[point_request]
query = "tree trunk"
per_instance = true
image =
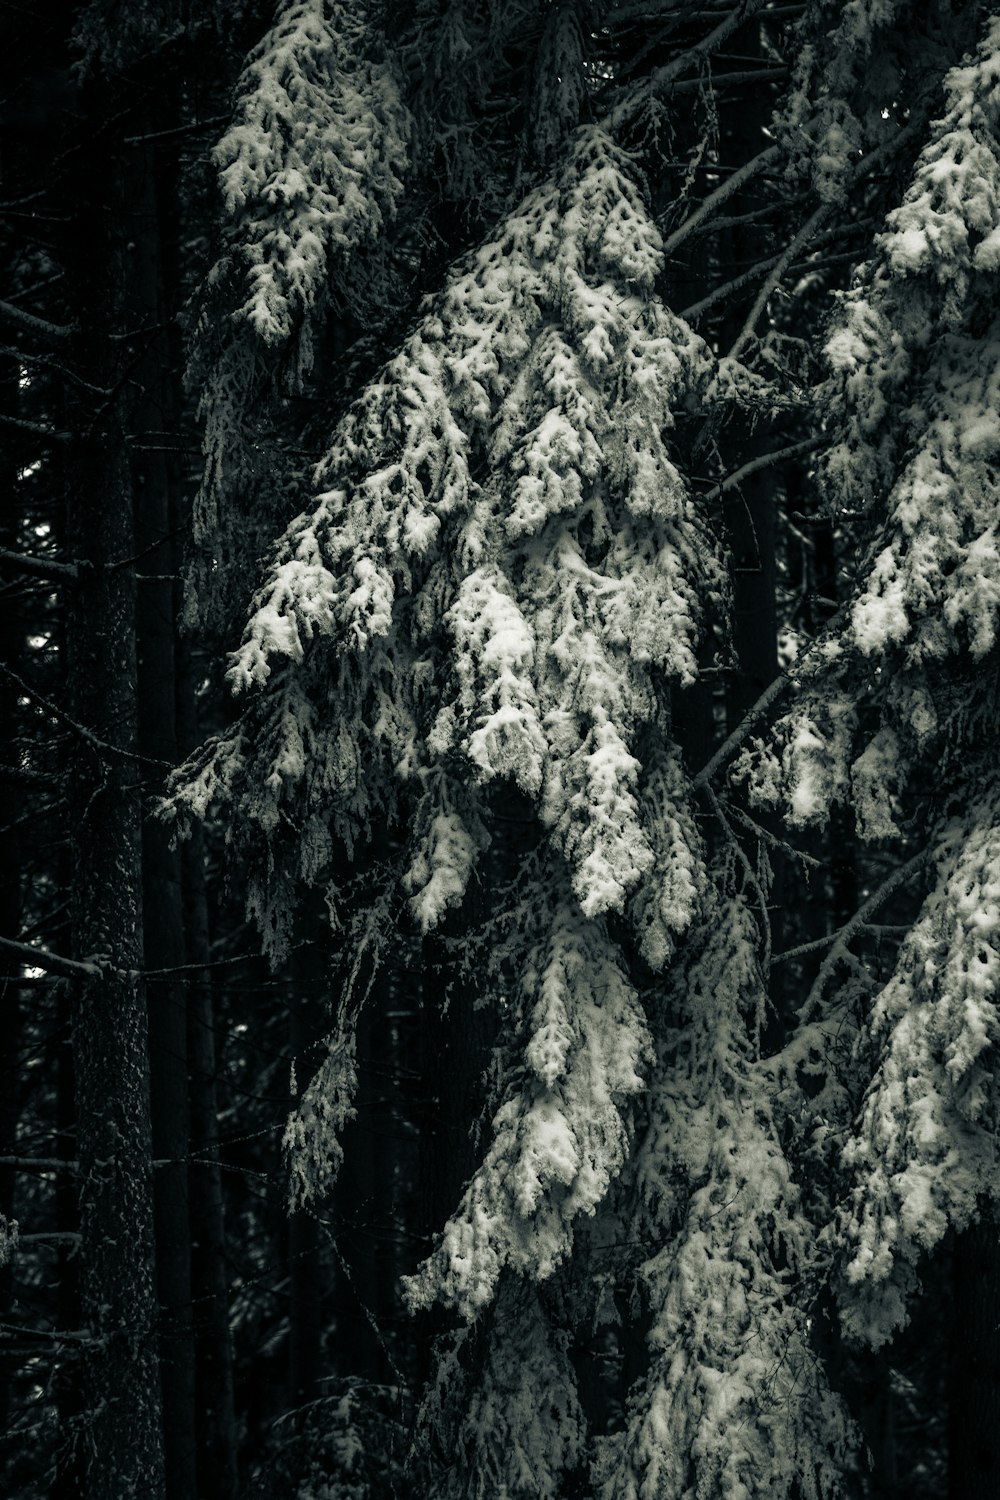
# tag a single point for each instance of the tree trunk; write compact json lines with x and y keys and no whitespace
{"x":310,"y":985}
{"x":153,"y":421}
{"x":214,"y":1409}
{"x":974,"y":1408}
{"x":123,"y":1442}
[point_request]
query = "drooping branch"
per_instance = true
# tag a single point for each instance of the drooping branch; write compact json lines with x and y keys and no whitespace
{"x":754,"y":465}
{"x":37,"y":1164}
{"x":768,"y":698}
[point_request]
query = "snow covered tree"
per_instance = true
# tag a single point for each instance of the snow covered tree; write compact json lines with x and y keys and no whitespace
{"x":498,"y":596}
{"x":563,"y":367}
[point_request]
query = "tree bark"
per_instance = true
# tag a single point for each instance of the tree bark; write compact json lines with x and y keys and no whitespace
{"x":215,"y":1419}
{"x":153,"y":415}
{"x":123,"y":1441}
{"x":974,"y":1407}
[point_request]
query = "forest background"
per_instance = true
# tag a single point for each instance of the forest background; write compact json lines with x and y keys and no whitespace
{"x":500,"y":864}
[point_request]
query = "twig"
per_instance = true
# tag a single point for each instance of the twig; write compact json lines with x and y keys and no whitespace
{"x":763,"y":461}
{"x":40,"y":567}
{"x":39,"y":429}
{"x":725,"y":190}
{"x":814,"y":222}
{"x":807,"y":232}
{"x":80,"y":729}
{"x":860,"y":919}
{"x":54,"y":963}
{"x":732,"y":742}
{"x":662,"y":79}
{"x":748,"y":870}
{"x":40,"y":327}
{"x":38,"y":1164}
{"x":175,"y":130}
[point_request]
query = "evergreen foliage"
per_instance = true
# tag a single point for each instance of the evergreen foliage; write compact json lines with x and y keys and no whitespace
{"x":539,"y":352}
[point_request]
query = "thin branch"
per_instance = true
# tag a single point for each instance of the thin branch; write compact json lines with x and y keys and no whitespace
{"x":176,"y":130}
{"x":809,"y":229}
{"x":40,"y":327}
{"x":80,"y":729}
{"x":763,"y":461}
{"x":728,"y":288}
{"x":40,"y":567}
{"x":21,"y":776}
{"x":663,"y":78}
{"x":850,"y":929}
{"x":38,"y":1164}
{"x":52,"y":434}
{"x":45,"y":362}
{"x":51,"y":1237}
{"x":53,"y":963}
{"x":751,"y":875}
{"x":74,"y":1336}
{"x":863,"y":168}
{"x":745,"y":174}
{"x":773,"y":841}
{"x":771,"y":695}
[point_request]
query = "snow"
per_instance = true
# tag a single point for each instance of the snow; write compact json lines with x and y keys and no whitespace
{"x":314,"y":161}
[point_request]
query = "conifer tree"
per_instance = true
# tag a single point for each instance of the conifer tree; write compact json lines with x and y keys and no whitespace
{"x":539,"y":350}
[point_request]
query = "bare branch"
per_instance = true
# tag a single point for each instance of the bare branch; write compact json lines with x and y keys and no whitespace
{"x":80,"y":729}
{"x":39,"y":567}
{"x":53,"y":963}
{"x":850,"y":929}
{"x":763,"y":461}
{"x":771,"y":695}
{"x":51,"y":434}
{"x":41,"y":328}
{"x":663,"y":78}
{"x":745,"y":174}
{"x":37,"y":1164}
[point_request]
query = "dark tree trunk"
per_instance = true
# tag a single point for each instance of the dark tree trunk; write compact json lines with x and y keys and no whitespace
{"x":154,"y":425}
{"x":11,"y":641}
{"x":974,"y":1407}
{"x":68,"y":1480}
{"x":123,"y":1441}
{"x":214,"y":1409}
{"x":310,"y":987}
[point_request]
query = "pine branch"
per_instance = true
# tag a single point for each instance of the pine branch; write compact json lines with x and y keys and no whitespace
{"x":809,"y":230}
{"x":751,"y":875}
{"x":177,"y":130}
{"x":21,"y":776}
{"x":51,"y":1237}
{"x":763,"y":461}
{"x":56,"y":366}
{"x":729,"y":288}
{"x":771,"y":695}
{"x":80,"y":729}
